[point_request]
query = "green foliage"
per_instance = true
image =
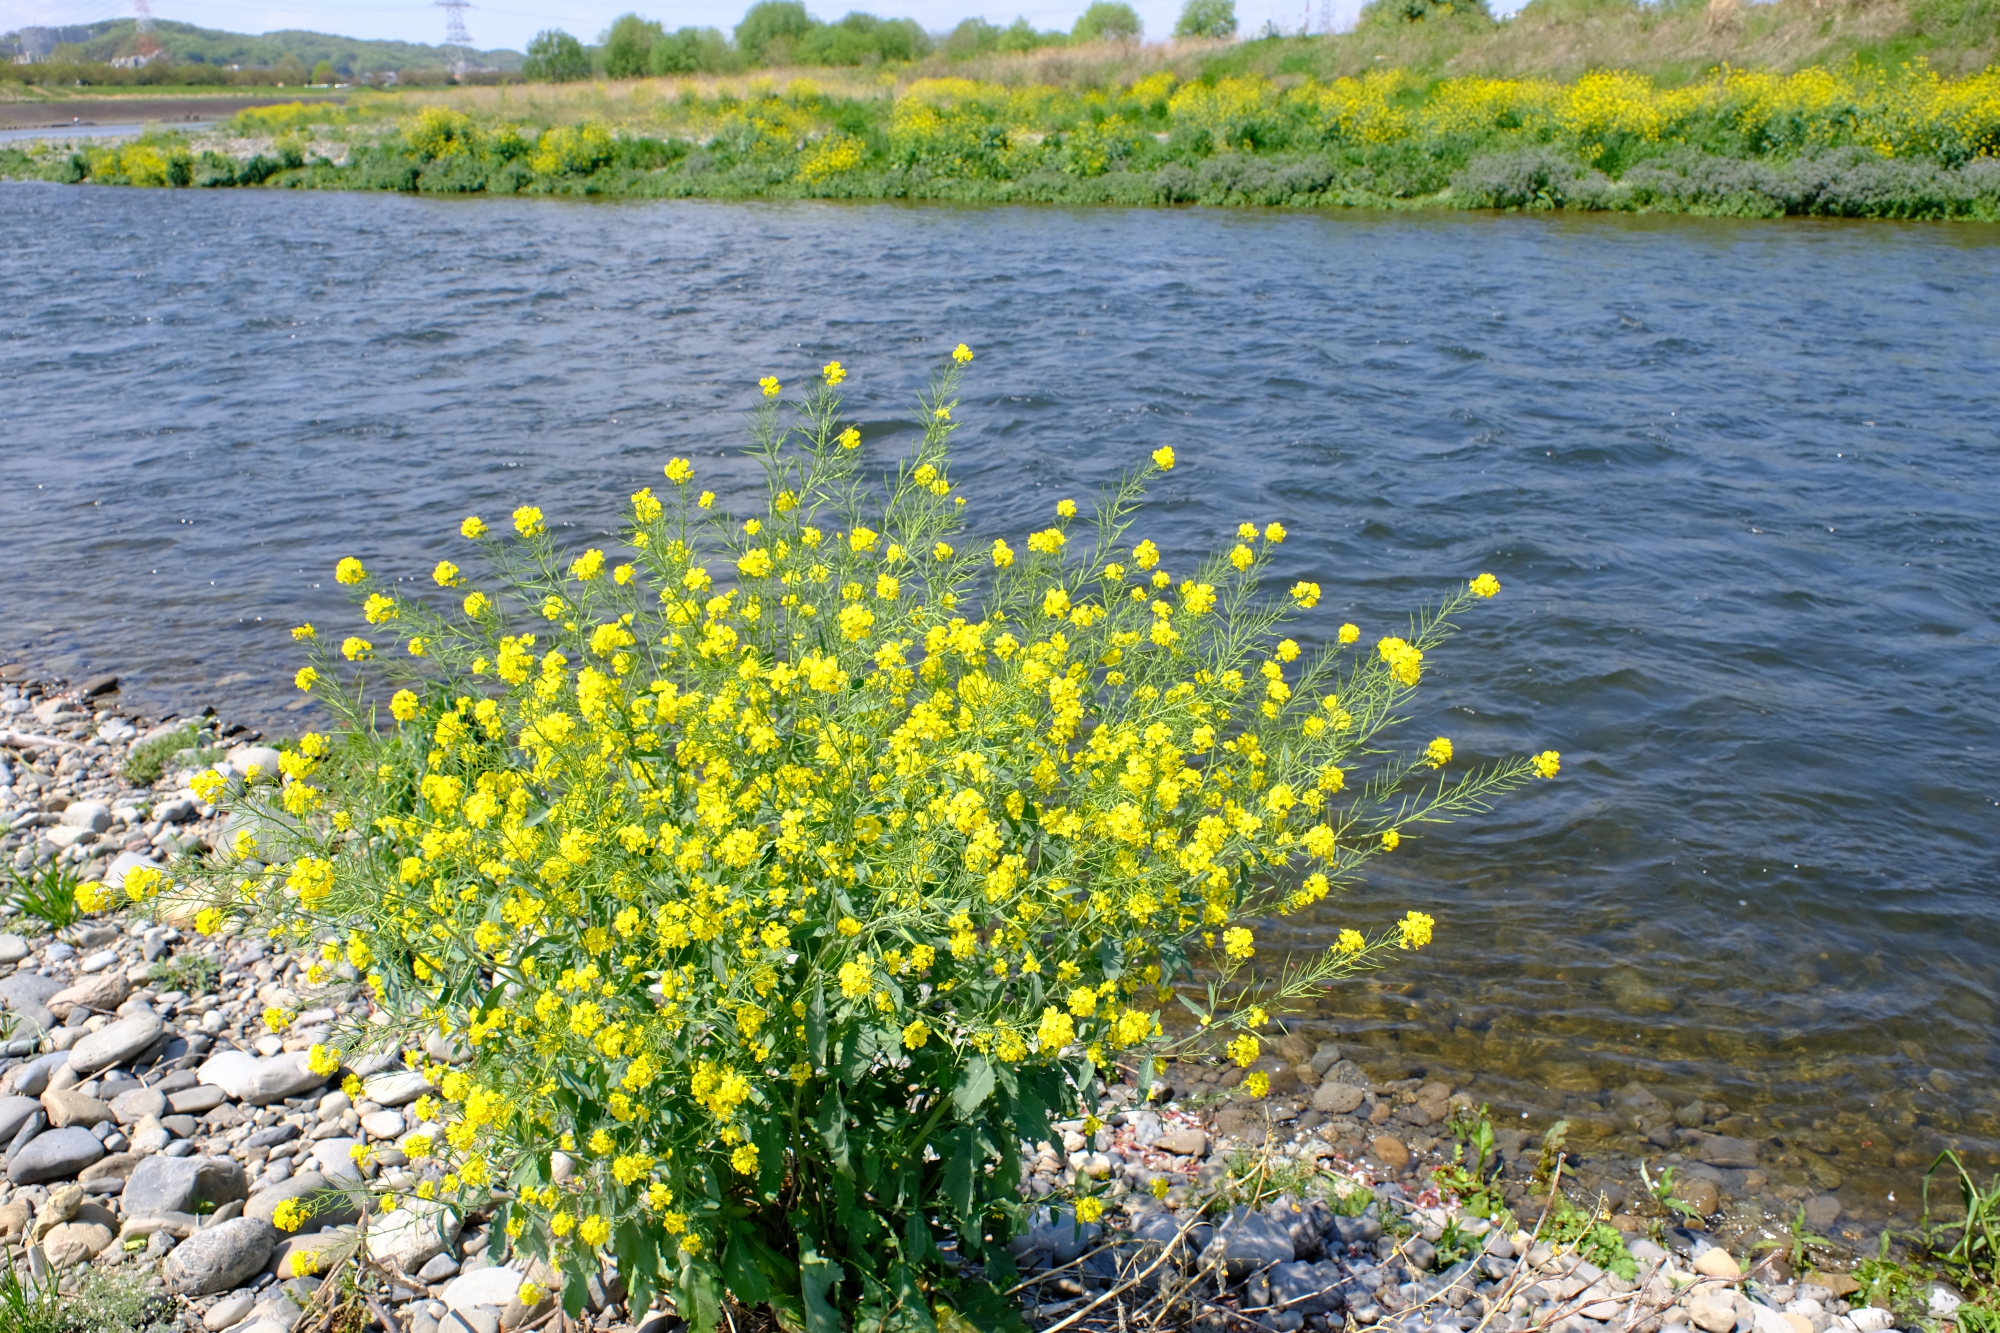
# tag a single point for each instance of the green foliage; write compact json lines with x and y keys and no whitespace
{"x":1107,"y":20}
{"x":789,"y":870}
{"x":1380,"y":12}
{"x":99,"y":1302}
{"x":194,"y":973}
{"x":1662,"y":1193}
{"x":48,"y":893}
{"x":1207,"y":18}
{"x":555,"y":57}
{"x":863,"y":39}
{"x":694,"y":51}
{"x":1901,"y":1288}
{"x":204,"y":55}
{"x":1590,"y":1236}
{"x":628,"y":46}
{"x":1798,"y":1244}
{"x":1969,"y":1248}
{"x":1550,"y":1158}
{"x":771,"y":28}
{"x":1473,"y":1171}
{"x":149,"y":759}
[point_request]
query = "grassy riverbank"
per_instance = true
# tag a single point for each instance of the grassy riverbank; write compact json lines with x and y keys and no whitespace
{"x":1844,"y":119}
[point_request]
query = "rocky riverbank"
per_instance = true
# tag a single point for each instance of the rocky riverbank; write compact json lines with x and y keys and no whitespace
{"x":153,"y":1126}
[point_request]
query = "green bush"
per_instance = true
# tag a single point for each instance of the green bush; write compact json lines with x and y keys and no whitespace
{"x":771,"y":28}
{"x":783,"y":873}
{"x":628,"y":46}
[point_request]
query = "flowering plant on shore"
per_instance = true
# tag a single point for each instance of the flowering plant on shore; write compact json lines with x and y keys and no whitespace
{"x":783,"y":874}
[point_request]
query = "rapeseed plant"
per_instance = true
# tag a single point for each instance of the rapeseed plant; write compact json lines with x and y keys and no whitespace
{"x":781,"y":874}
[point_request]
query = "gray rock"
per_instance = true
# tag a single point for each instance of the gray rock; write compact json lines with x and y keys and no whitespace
{"x":417,"y":1232}
{"x":488,"y":1286}
{"x":1247,"y":1241}
{"x":1720,"y":1150}
{"x":32,"y":1078}
{"x":12,"y":948}
{"x":178,"y":1184}
{"x":260,"y":1082}
{"x":93,"y":815}
{"x":395,"y":1089}
{"x":1183,"y":1143}
{"x":56,"y":1155}
{"x":307,"y":1186}
{"x":231,"y":1309}
{"x":116,"y":1043}
{"x":194,"y":1101}
{"x":1420,"y":1252}
{"x":440,"y":1268}
{"x":1357,"y":1230}
{"x":27,"y":994}
{"x":1336,"y":1098}
{"x":14,"y":1113}
{"x":1305,"y":1288}
{"x":1822,"y":1211}
{"x":219,"y":1258}
{"x":1157,"y":1228}
{"x":135,"y":1104}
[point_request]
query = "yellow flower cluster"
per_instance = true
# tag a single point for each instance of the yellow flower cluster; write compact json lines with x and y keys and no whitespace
{"x":813,"y":810}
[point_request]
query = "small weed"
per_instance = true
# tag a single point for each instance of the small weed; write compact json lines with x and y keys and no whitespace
{"x":1472,"y":1173}
{"x":1663,"y":1194}
{"x":1889,"y":1285}
{"x":1551,"y":1155}
{"x":149,"y":759}
{"x":49,"y":894}
{"x":102,"y":1303}
{"x":1969,"y":1249}
{"x":1799,"y":1243}
{"x":194,"y":973}
{"x":1590,"y":1236}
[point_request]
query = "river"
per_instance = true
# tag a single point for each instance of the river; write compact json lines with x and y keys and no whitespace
{"x":1738,"y":479}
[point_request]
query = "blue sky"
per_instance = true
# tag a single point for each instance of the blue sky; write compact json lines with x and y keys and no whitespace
{"x":510,"y":23}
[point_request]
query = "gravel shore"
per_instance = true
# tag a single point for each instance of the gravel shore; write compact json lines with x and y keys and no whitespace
{"x":152,"y":1125}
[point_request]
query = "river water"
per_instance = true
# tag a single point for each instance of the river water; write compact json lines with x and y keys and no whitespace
{"x":1738,"y":479}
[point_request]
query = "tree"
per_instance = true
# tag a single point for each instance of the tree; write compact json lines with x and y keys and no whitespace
{"x":771,"y":29}
{"x":693,"y":51}
{"x":323,"y":72}
{"x":289,"y":70}
{"x":1021,"y":36}
{"x":1207,"y":18}
{"x":628,"y":47}
{"x":555,"y":57}
{"x":1108,"y":20}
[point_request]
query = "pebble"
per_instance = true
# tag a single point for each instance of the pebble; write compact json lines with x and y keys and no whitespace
{"x":219,"y":1257}
{"x":417,"y":1232}
{"x":488,"y":1286}
{"x":231,"y":1309}
{"x":116,"y":1043}
{"x":57,"y":1154}
{"x":1715,"y":1262}
{"x":398,"y":1088}
{"x":12,"y":948}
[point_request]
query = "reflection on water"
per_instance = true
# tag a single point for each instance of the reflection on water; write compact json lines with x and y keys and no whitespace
{"x":1735,"y":477}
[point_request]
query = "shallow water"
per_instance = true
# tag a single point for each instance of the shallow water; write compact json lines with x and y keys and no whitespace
{"x":1738,"y":480}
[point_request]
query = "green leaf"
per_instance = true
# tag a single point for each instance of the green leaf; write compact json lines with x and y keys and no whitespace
{"x":975,"y":1085}
{"x":817,"y":1277}
{"x":831,"y":1122}
{"x":698,"y":1293}
{"x":959,"y":1169}
{"x":916,"y":1237}
{"x":741,"y":1272}
{"x":816,"y":1025}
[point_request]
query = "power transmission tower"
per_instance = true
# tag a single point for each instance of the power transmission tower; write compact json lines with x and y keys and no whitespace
{"x":1326,"y":18}
{"x":454,"y":22}
{"x":149,"y":46}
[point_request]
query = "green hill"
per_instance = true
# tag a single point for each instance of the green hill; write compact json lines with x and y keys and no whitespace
{"x":187,"y":44}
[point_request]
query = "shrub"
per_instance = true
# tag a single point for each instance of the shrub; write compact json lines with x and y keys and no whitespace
{"x":770,"y":24}
{"x":628,"y":47}
{"x":781,"y":875}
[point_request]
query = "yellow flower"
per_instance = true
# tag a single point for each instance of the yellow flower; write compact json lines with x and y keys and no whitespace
{"x":769,"y":384}
{"x":277,"y":1019}
{"x":1415,"y":929}
{"x":349,"y":570}
{"x":208,"y":785}
{"x":92,"y":896}
{"x":833,"y":372}
{"x":1003,"y":554}
{"x":1145,"y":555}
{"x":594,"y":1231}
{"x":303,"y":633}
{"x":289,"y":1215}
{"x":473,"y":528}
{"x":961,"y":354}
{"x":1350,"y":941}
{"x":744,"y":1160}
{"x":1089,"y":1209}
{"x":941,"y":552}
{"x":1349,"y":633}
{"x":1159,"y":1187}
{"x":356,"y":650}
{"x":1438,"y":752}
{"x":1547,"y":763}
{"x":1306,"y":595}
{"x":848,"y":438}
{"x":587,"y":566}
{"x":1485,"y":586}
{"x":529,"y":1295}
{"x":679,"y":471}
{"x":1238,"y":943}
{"x":1257,"y":1084}
{"x":1391,"y":840}
{"x":1274,"y":533}
{"x":1163,"y":458}
{"x":1241,"y":556}
{"x":1066,"y":509}
{"x":402,"y":705}
{"x":306,"y":679}
{"x":528,"y":521}
{"x":323,"y":1060}
{"x":1244,"y":1050}
{"x":916,"y":1034}
{"x":378,"y":608}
